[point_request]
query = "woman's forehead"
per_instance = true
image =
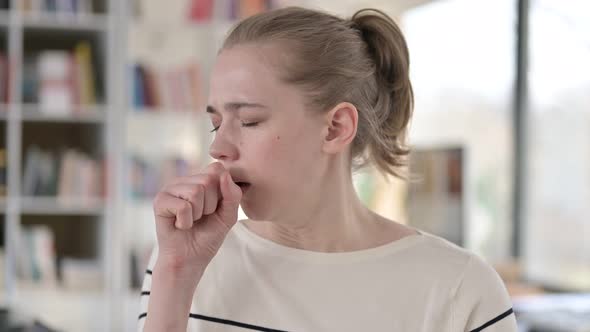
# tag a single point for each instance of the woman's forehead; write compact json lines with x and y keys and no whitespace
{"x":242,"y":71}
{"x":242,"y":74}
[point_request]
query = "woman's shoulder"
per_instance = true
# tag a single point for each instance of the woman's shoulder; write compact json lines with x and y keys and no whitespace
{"x":441,"y":253}
{"x":478,"y":293}
{"x":433,"y":249}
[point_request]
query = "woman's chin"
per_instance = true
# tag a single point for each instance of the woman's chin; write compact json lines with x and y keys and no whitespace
{"x":251,"y":212}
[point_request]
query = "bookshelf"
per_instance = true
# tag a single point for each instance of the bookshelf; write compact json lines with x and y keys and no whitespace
{"x":60,"y":105}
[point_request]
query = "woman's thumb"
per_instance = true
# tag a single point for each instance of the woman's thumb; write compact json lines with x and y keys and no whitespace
{"x":231,"y":196}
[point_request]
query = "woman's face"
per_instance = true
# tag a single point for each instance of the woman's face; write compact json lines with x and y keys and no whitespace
{"x":264,"y":136}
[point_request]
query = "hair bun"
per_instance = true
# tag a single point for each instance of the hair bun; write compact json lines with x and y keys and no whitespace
{"x":385,"y":41}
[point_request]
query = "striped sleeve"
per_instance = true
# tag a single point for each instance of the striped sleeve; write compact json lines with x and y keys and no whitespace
{"x":145,"y":290}
{"x":481,"y":301}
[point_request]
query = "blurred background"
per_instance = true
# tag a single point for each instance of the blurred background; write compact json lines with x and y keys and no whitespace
{"x":101,"y":101}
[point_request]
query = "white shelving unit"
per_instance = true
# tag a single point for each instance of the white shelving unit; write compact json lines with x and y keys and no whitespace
{"x":90,"y":223}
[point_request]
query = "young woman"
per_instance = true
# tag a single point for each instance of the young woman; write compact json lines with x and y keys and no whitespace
{"x":299,"y":100}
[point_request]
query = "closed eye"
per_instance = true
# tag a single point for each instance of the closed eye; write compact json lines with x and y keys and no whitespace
{"x":251,"y":124}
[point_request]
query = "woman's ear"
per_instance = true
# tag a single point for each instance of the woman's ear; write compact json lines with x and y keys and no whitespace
{"x":341,"y":126}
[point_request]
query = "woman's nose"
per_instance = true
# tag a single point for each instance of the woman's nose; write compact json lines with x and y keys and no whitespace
{"x":222,"y":148}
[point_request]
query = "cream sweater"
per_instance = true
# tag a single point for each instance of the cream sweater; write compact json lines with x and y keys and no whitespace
{"x":421,"y":283}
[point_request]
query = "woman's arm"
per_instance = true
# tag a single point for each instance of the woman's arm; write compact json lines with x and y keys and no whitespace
{"x":170,"y":298}
{"x":481,"y":300}
{"x":193,"y":216}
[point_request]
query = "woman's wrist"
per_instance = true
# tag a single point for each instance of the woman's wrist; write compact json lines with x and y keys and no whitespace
{"x":172,"y":290}
{"x":178,"y":271}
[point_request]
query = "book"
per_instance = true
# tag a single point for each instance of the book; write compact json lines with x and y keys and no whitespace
{"x":37,"y":255}
{"x":4,"y":78}
{"x":81,"y":273}
{"x":177,"y":88}
{"x":59,"y":81}
{"x":30,"y":176}
{"x":2,"y":258}
{"x":80,"y":177}
{"x":240,"y":9}
{"x":3,"y":179}
{"x":47,"y":171}
{"x":29,"y":79}
{"x":85,"y":78}
{"x":39,"y":178}
{"x":251,"y":7}
{"x":147,"y":176}
{"x":200,"y":10}
{"x":56,"y":92}
{"x":137,"y":86}
{"x":51,"y":7}
{"x":67,"y":174}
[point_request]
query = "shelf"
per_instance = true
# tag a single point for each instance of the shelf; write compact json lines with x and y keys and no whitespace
{"x":87,"y":22}
{"x":75,"y":223}
{"x":29,"y":287}
{"x":219,"y":25}
{"x":164,"y":114}
{"x":63,"y":309}
{"x":87,"y":114}
{"x":62,"y":206}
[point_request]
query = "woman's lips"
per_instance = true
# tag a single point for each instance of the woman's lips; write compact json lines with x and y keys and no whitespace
{"x":244,"y":186}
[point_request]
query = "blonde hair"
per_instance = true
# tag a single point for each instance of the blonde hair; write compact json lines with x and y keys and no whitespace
{"x":362,"y":60}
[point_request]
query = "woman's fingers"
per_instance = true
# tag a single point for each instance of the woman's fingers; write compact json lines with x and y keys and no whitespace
{"x":201,"y":192}
{"x":172,"y":211}
{"x":212,"y":194}
{"x":193,"y":193}
{"x":210,"y":182}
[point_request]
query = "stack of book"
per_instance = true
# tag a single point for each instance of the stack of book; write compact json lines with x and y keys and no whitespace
{"x":60,"y":81}
{"x":202,"y":10}
{"x":4,"y":78}
{"x":36,"y":263}
{"x":68,"y":174}
{"x":177,"y":88}
{"x":71,"y":7}
{"x":3,"y":178}
{"x":2,"y":258}
{"x":39,"y":264}
{"x":80,"y":273}
{"x":146,"y":177}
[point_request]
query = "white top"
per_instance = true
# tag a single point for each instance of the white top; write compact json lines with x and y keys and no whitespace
{"x":420,"y":283}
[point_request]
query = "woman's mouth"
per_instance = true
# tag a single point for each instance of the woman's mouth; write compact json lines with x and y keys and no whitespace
{"x":244,"y":186}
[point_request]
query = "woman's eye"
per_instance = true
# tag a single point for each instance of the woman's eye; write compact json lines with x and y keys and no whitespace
{"x":251,"y":124}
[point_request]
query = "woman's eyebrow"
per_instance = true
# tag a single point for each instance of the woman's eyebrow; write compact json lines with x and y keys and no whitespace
{"x":235,"y":106}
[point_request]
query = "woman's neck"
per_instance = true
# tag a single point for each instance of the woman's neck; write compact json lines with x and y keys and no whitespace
{"x":333,"y":220}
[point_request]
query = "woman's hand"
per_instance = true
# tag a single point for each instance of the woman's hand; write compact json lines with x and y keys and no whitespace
{"x":193,"y":216}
